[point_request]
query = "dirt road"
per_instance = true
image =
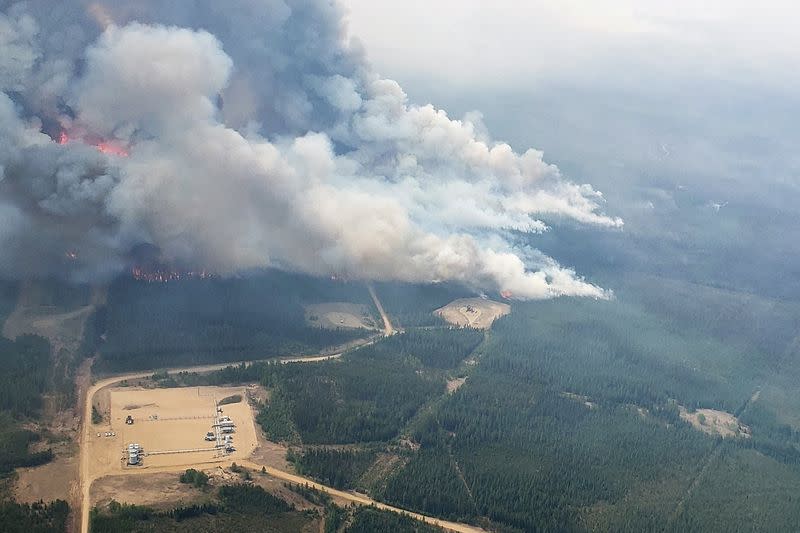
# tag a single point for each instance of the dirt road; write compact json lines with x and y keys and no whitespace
{"x":86,"y":478}
{"x":361,"y":499}
{"x":387,"y":325}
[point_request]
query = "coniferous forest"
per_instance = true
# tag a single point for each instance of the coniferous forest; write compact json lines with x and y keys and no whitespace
{"x":565,"y":416}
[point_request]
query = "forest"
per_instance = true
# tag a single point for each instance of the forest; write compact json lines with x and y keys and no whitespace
{"x":568,"y":423}
{"x":340,"y":469}
{"x":26,"y":368}
{"x":233,"y":508}
{"x":370,"y":519}
{"x":158,"y":325}
{"x":34,"y":518}
{"x":26,"y":377}
{"x":368,"y":395}
{"x":412,"y":305}
{"x":567,"y":419}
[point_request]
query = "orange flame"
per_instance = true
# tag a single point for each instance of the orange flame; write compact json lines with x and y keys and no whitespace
{"x":106,"y":147}
{"x":111,"y":149}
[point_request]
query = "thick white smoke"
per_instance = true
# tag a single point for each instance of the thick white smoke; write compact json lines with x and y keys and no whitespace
{"x":270,"y":143}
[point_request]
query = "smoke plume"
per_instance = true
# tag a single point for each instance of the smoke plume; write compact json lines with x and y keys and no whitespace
{"x":245,"y":134}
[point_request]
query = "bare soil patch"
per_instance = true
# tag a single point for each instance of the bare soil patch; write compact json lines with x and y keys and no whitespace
{"x":270,"y":453}
{"x":332,"y":315}
{"x":159,"y":490}
{"x":455,"y":384}
{"x":53,"y":481}
{"x":167,"y":420}
{"x":473,"y":312}
{"x":715,"y":422}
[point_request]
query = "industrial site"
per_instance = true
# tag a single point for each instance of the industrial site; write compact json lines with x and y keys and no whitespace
{"x":144,"y":428}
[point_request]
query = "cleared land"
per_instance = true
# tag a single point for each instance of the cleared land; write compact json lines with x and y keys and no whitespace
{"x":473,"y":312}
{"x":167,"y":422}
{"x":715,"y":422}
{"x":94,"y":467}
{"x":332,"y":315}
{"x":388,"y":329}
{"x":162,"y":490}
{"x":52,"y":481}
{"x":455,"y":384}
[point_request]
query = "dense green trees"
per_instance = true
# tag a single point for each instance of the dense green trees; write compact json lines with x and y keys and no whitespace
{"x":413,"y":305}
{"x":431,"y":482}
{"x":25,"y":376}
{"x":371,"y":520}
{"x":234,"y":508}
{"x":153,"y":325}
{"x":194,"y":477}
{"x":33,"y":518}
{"x":369,"y":395}
{"x":338,"y":468}
{"x":439,"y":348}
{"x":350,"y":400}
{"x":26,"y":366}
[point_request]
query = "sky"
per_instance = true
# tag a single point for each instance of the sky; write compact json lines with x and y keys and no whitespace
{"x":610,"y":42}
{"x":682,"y":113}
{"x":473,"y":137}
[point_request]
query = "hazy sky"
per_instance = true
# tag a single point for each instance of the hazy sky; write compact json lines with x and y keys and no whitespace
{"x":681,"y":112}
{"x":612,"y":41}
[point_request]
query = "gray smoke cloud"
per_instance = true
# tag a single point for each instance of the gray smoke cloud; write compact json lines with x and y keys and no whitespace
{"x":245,"y":134}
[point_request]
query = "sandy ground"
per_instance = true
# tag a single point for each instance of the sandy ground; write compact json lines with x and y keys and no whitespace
{"x":53,"y":481}
{"x":473,"y":312}
{"x":333,"y":315}
{"x":168,"y":420}
{"x":455,"y":384}
{"x":162,"y":490}
{"x":95,"y":464}
{"x":715,"y":422}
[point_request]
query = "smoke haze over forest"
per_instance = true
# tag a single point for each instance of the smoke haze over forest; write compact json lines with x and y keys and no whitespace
{"x":243,"y":135}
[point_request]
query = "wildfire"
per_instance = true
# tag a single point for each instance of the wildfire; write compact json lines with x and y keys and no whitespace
{"x":111,"y":149}
{"x":506,"y":294}
{"x":106,"y":147}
